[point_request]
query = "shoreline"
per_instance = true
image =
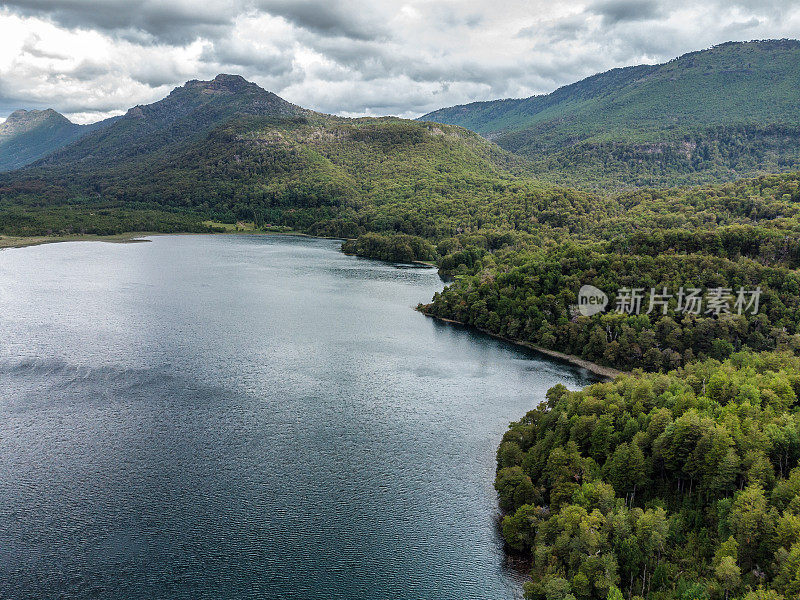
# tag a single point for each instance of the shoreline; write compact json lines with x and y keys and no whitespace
{"x":9,"y":242}
{"x":132,"y":237}
{"x":608,"y":373}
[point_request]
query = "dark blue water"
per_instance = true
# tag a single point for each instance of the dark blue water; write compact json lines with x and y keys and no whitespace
{"x":247,"y":417}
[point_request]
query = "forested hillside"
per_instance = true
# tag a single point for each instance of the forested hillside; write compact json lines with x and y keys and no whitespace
{"x":737,"y":236}
{"x":312,"y":172}
{"x":708,"y":116}
{"x":661,"y":486}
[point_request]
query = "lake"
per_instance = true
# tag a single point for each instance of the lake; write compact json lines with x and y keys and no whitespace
{"x":248,"y":417}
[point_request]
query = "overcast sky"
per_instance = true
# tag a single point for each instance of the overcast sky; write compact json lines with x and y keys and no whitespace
{"x":92,"y":59}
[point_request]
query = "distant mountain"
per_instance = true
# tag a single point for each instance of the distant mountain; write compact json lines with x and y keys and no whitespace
{"x":188,"y":113}
{"x":711,"y":115}
{"x":28,"y":135}
{"x":229,"y":150}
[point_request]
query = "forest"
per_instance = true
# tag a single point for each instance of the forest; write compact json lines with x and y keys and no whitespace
{"x":738,"y":236}
{"x":680,"y":485}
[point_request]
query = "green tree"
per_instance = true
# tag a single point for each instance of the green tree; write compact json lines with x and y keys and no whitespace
{"x":728,"y":574}
{"x":515,"y":489}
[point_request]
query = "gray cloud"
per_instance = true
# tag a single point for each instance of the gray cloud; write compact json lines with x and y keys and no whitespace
{"x":619,"y":11}
{"x":91,"y":58}
{"x":142,"y":20}
{"x":87,"y":70}
{"x":331,"y":18}
{"x":254,"y":61}
{"x":738,"y":27}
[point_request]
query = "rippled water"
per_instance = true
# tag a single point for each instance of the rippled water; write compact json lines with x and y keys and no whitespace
{"x":247,"y":417}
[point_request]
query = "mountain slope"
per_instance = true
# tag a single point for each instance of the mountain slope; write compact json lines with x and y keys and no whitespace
{"x":187,"y":113}
{"x":711,"y":115}
{"x":28,"y":135}
{"x":228,"y":150}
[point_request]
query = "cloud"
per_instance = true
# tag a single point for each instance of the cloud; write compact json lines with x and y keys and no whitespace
{"x":173,"y":21}
{"x":738,"y":27}
{"x":92,"y":59}
{"x":335,"y":18}
{"x":619,"y":11}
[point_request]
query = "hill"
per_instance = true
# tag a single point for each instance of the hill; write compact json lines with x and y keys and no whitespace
{"x":708,"y":116}
{"x":187,"y":113}
{"x":28,"y":135}
{"x":226,"y":150}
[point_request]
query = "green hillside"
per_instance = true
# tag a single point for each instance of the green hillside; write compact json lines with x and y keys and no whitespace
{"x":227,"y":150}
{"x":713,"y":115}
{"x":187,"y":114}
{"x":663,"y":487}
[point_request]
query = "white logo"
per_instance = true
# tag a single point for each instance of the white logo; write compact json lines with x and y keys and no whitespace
{"x":591,"y":300}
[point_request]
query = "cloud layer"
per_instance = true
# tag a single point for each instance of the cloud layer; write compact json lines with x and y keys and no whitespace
{"x":92,"y":59}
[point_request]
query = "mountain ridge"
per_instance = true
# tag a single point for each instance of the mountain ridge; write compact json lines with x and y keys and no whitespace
{"x":734,"y":104}
{"x":187,"y":113}
{"x":27,"y":135}
{"x":229,"y":151}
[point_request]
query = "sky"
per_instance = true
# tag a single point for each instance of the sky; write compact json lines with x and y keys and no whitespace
{"x":94,"y":59}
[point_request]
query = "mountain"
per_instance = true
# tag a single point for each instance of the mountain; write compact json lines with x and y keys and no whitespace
{"x":27,"y":135}
{"x":187,"y":113}
{"x":228,"y":150}
{"x":707,"y":116}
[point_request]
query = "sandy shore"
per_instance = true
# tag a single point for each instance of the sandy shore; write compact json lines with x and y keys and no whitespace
{"x":9,"y":241}
{"x":606,"y":372}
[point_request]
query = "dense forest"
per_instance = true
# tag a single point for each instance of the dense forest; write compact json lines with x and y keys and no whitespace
{"x":316,"y":174}
{"x":660,"y":486}
{"x":736,"y":237}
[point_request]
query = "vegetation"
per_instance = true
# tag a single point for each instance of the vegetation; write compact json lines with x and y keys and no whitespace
{"x":683,"y":485}
{"x":708,"y":116}
{"x":737,"y":236}
{"x":313,"y":173}
{"x":395,"y":248}
{"x":77,"y":219}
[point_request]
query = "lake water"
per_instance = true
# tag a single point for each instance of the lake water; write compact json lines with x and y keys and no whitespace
{"x":247,"y":417}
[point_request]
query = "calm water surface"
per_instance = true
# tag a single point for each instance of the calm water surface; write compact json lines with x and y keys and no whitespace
{"x":247,"y":417}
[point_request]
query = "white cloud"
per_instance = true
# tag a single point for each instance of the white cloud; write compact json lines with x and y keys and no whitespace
{"x":353,"y":57}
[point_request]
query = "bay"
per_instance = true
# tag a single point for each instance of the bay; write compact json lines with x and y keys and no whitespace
{"x":248,"y":417}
